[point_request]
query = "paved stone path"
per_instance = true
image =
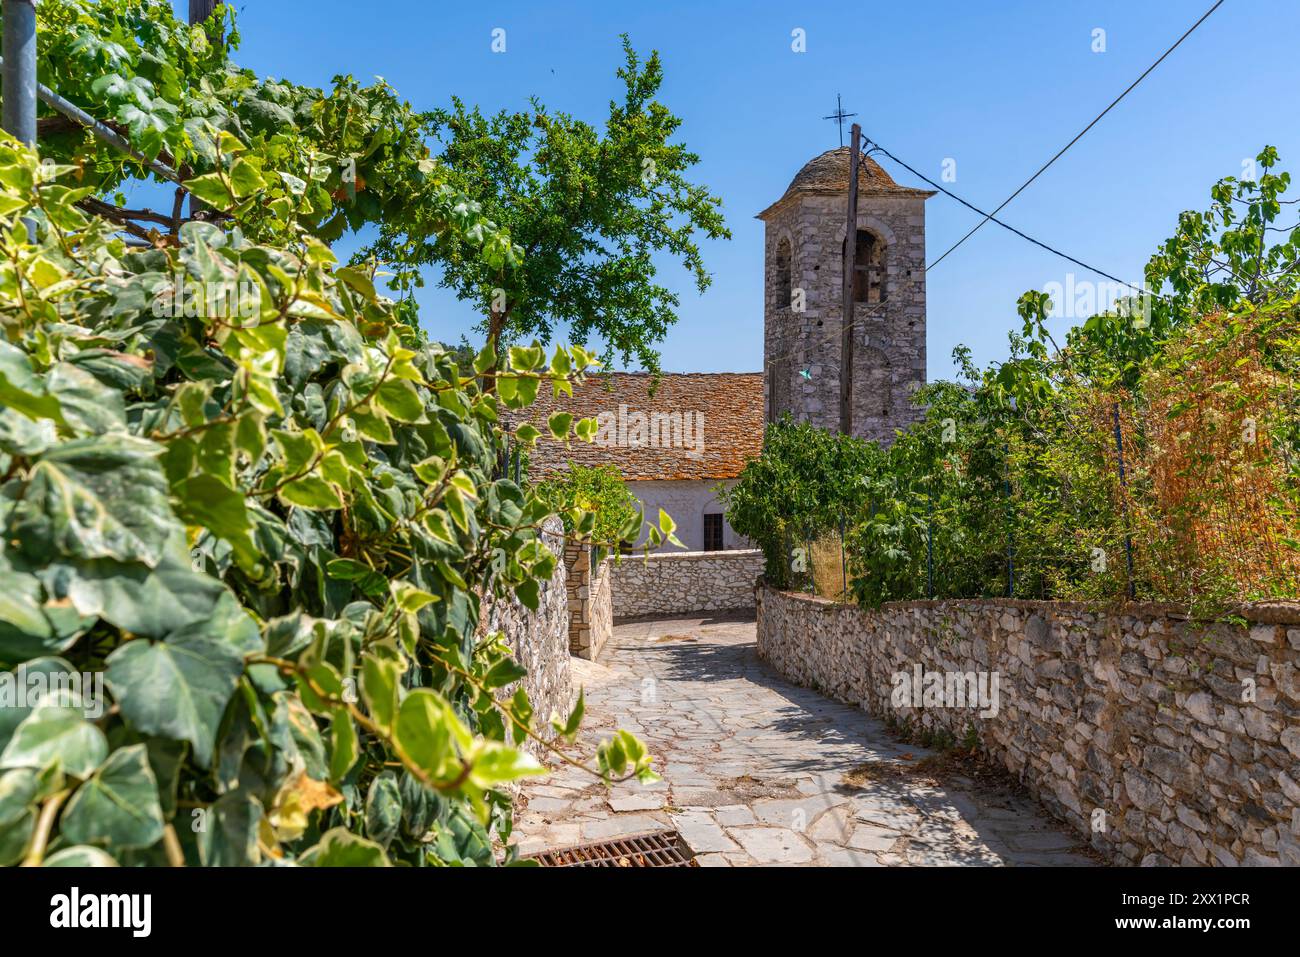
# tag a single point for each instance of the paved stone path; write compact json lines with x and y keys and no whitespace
{"x":754,"y":769}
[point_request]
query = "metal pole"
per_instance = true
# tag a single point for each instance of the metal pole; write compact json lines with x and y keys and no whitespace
{"x":844,"y":562}
{"x":19,"y":88}
{"x":929,"y":541}
{"x":105,"y":133}
{"x":846,"y":306}
{"x":1011,"y":560}
{"x":201,"y":12}
{"x":18,"y":83}
{"x":1123,"y":484}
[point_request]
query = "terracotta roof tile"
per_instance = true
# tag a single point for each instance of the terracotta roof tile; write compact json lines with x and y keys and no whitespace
{"x":696,"y":425}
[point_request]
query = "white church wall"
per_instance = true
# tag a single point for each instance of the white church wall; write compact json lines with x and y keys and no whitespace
{"x":687,"y":501}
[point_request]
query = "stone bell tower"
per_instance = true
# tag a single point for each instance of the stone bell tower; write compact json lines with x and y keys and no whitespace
{"x":803,"y":302}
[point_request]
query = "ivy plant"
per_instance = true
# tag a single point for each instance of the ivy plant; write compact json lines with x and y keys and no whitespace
{"x":246,"y":542}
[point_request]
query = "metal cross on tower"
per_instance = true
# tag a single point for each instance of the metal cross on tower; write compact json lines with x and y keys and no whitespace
{"x":839,"y":116}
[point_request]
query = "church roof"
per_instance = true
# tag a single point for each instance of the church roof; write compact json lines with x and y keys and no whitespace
{"x":697,"y":425}
{"x":829,"y":173}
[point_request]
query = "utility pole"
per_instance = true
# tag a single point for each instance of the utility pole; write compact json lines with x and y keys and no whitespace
{"x":201,"y":12}
{"x":850,"y":262}
{"x":18,"y":82}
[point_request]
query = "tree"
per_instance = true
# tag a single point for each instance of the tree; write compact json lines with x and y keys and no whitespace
{"x":595,"y":207}
{"x":354,"y":155}
{"x":1243,"y":251}
{"x":589,"y":209}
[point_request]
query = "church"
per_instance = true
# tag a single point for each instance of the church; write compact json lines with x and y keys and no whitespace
{"x":697,"y":431}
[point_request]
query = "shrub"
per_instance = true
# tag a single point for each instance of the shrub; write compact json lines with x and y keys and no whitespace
{"x":599,"y":491}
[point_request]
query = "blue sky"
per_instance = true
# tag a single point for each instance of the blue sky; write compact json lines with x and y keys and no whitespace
{"x":998,"y":87}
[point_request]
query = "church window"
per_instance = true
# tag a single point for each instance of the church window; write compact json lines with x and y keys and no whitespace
{"x":713,"y":531}
{"x":868,"y":268}
{"x":782,"y":265}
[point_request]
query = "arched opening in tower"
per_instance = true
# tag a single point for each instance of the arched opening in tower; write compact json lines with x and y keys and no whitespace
{"x":781,"y":264}
{"x":869,"y":268}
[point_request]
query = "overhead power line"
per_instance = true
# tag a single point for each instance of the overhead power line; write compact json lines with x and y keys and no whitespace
{"x":992,"y":216}
{"x":989,"y":217}
{"x":1079,"y":136}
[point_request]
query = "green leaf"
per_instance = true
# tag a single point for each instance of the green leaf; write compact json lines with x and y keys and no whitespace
{"x":118,"y":806}
{"x":171,"y":598}
{"x":176,"y":688}
{"x":521,"y":713}
{"x":18,"y":796}
{"x":400,"y":400}
{"x":21,"y":389}
{"x":425,"y":731}
{"x":313,"y":492}
{"x":100,"y":497}
{"x":339,"y":847}
{"x":381,"y":686}
{"x":206,"y":501}
{"x":52,"y":733}
{"x":227,"y":830}
{"x":31,"y":627}
{"x":486,"y":359}
{"x":79,"y":857}
{"x":493,"y":763}
{"x":559,"y":424}
{"x":383,"y":809}
{"x":343,"y":745}
{"x":246,"y":177}
{"x":504,"y":672}
{"x":211,"y":190}
{"x":568,"y":729}
{"x":529,"y":593}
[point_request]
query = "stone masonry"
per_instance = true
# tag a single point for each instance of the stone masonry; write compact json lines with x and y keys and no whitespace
{"x":804,"y":252}
{"x":675,"y":583}
{"x":539,"y":639}
{"x":757,"y":771}
{"x":590,"y":601}
{"x":1163,"y":741}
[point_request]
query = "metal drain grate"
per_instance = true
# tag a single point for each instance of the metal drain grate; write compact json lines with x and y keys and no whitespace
{"x":657,"y":849}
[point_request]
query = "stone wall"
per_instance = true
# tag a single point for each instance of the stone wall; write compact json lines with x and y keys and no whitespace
{"x":1162,"y":741}
{"x":802,"y":348}
{"x":591,"y":619}
{"x":683,"y":582}
{"x":539,"y":639}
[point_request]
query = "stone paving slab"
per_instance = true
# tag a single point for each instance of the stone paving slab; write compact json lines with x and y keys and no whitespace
{"x":754,"y":769}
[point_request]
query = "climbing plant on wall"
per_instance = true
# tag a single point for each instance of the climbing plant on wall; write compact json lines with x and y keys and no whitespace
{"x":250,"y":515}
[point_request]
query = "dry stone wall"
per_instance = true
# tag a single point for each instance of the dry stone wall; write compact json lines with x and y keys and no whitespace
{"x":677,"y":583}
{"x":1162,"y":741}
{"x":539,"y":639}
{"x":591,"y":619}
